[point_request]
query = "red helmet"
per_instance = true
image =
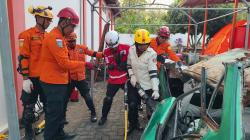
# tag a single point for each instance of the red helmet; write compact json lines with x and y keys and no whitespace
{"x":164,"y":31}
{"x":70,"y":14}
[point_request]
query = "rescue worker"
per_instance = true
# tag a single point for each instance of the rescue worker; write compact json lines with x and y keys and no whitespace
{"x":164,"y":51}
{"x":54,"y":77}
{"x":142,"y":71}
{"x":116,"y":60}
{"x":30,"y":46}
{"x":77,"y":79}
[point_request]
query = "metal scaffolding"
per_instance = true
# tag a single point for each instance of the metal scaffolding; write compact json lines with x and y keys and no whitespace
{"x":8,"y":82}
{"x":166,"y":7}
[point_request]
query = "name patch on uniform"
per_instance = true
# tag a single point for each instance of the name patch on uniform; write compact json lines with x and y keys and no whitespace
{"x":21,"y":42}
{"x":59,"y":43}
{"x":35,"y":38}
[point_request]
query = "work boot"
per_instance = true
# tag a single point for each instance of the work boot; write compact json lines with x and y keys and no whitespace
{"x":93,"y":117}
{"x":131,"y":128}
{"x":102,"y":121}
{"x":65,"y":136}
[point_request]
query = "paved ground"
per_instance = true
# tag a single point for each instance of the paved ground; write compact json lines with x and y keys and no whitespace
{"x":113,"y":129}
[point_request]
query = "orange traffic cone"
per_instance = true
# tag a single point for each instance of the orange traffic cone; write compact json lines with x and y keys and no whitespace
{"x":74,"y":97}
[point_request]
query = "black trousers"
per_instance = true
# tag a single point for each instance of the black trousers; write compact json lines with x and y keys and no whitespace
{"x":134,"y":99}
{"x":55,"y":95}
{"x":108,"y":100}
{"x":83,"y":87}
{"x":29,"y":100}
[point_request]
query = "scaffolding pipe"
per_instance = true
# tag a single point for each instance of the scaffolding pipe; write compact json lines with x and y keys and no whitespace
{"x":7,"y":69}
{"x":204,"y":30}
{"x":169,"y":8}
{"x":221,"y":16}
{"x":123,"y":10}
{"x":189,"y":29}
{"x":247,"y":29}
{"x":92,"y":45}
{"x":195,"y":38}
{"x":234,"y":24}
{"x":152,"y":24}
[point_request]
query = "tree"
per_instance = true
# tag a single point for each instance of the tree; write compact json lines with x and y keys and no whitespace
{"x":138,"y":16}
{"x":175,"y":17}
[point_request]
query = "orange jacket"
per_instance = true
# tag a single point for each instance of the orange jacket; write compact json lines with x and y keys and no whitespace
{"x":163,"y":49}
{"x":55,"y":63}
{"x":30,"y":46}
{"x":78,"y":53}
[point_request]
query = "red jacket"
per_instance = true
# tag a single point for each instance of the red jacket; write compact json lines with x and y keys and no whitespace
{"x":116,"y":76}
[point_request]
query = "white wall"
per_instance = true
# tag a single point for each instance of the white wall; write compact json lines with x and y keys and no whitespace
{"x":57,"y":5}
{"x":3,"y":113}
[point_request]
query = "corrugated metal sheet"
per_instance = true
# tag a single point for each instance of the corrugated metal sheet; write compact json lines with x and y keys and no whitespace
{"x":215,"y":67}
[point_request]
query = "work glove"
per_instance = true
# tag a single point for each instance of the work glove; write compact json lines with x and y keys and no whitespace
{"x":133,"y":80}
{"x":160,"y":58}
{"x":155,"y":95}
{"x":111,"y":66}
{"x":89,"y":65}
{"x":27,"y":85}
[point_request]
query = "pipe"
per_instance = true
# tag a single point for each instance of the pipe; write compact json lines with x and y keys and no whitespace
{"x":7,"y":69}
{"x":204,"y":29}
{"x":234,"y":24}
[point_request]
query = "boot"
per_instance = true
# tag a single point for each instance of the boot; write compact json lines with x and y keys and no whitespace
{"x":65,"y":136}
{"x":93,"y":117}
{"x":102,"y":121}
{"x":29,"y":134}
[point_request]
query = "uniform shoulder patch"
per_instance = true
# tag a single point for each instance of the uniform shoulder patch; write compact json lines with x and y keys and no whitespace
{"x":59,"y":43}
{"x":21,"y":42}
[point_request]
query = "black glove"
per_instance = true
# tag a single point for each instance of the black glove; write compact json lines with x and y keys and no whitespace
{"x":111,"y":66}
{"x":160,"y":58}
{"x":122,"y":66}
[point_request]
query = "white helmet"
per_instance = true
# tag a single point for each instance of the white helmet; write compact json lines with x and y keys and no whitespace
{"x":112,"y":39}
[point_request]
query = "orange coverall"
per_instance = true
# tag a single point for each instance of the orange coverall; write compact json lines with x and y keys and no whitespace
{"x":55,"y":63}
{"x":163,"y":49}
{"x":78,"y":54}
{"x":30,"y":46}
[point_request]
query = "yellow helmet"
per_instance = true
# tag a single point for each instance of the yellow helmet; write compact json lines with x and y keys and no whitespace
{"x":41,"y":11}
{"x":142,"y":36}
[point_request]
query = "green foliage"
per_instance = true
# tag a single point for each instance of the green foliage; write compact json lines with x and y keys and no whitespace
{"x":176,"y":16}
{"x":138,"y":16}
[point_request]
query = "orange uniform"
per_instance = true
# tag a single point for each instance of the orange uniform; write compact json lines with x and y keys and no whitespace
{"x":55,"y":63}
{"x":78,"y":53}
{"x":163,"y":49}
{"x":30,"y":46}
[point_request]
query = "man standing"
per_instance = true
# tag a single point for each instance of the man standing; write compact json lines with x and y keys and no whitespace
{"x":116,"y":60}
{"x":54,"y":76}
{"x":142,"y":71}
{"x":30,"y":46}
{"x":77,"y":78}
{"x":163,"y":49}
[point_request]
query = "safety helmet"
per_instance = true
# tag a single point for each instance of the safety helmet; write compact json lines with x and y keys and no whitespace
{"x":164,"y":31}
{"x":142,"y":36}
{"x":71,"y":37}
{"x":112,"y":39}
{"x":70,"y":14}
{"x":41,"y":11}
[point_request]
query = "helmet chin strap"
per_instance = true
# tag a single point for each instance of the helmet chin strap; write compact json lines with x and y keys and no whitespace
{"x":63,"y":27}
{"x":41,"y":25}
